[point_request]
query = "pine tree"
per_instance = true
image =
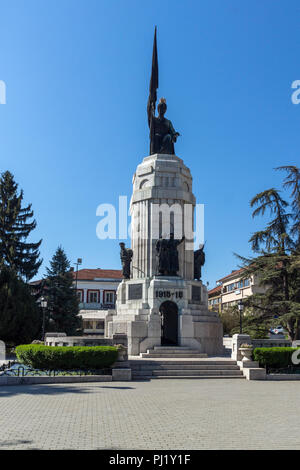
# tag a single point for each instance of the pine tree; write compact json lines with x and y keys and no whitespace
{"x":20,"y":319}
{"x":292,"y":181}
{"x":278,"y":261}
{"x":15,"y":228}
{"x":61,"y":295}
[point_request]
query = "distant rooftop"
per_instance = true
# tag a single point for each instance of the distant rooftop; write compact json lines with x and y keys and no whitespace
{"x":215,"y":290}
{"x":92,"y":274}
{"x":232,"y":274}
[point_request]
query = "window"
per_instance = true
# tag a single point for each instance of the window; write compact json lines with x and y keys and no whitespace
{"x":80,"y":295}
{"x":93,"y":296}
{"x":247,"y":282}
{"x":109,"y":297}
{"x":100,"y":325}
{"x":87,"y":325}
{"x":230,"y":287}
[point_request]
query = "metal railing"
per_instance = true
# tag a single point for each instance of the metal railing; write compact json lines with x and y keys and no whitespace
{"x":96,"y":306}
{"x":20,"y":370}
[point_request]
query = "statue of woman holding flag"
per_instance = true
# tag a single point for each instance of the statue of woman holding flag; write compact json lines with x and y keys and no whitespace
{"x":162,"y":132}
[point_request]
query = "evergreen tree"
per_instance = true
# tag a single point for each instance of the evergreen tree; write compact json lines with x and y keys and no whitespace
{"x":61,"y":296}
{"x":20,"y":319}
{"x":277,"y":266}
{"x":292,"y":181}
{"x":15,"y":228}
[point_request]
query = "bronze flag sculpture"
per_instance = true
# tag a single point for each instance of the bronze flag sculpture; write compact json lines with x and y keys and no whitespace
{"x":162,"y":132}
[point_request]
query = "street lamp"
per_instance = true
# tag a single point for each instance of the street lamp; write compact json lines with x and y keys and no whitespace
{"x":78,"y":262}
{"x":43,"y":303}
{"x":241,"y":308}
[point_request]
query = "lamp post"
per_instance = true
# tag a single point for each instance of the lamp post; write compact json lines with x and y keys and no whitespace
{"x":43,"y":304}
{"x":241,"y":308}
{"x":78,"y":263}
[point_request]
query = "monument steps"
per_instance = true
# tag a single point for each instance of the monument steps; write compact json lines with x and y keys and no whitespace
{"x":175,"y":362}
{"x":188,"y":367}
{"x":170,"y":355}
{"x":198,"y":377}
{"x":172,"y":351}
{"x":155,"y":362}
{"x":187,"y":372}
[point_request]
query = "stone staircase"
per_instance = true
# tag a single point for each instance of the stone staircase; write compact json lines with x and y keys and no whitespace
{"x":182,"y":363}
{"x":172,"y":351}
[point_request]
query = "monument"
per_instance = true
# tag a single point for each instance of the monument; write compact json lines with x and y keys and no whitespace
{"x":162,"y":300}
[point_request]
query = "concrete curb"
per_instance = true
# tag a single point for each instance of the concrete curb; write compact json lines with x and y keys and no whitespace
{"x":7,"y":380}
{"x":283,"y":377}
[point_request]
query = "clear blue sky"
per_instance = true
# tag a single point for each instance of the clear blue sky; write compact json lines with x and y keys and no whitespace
{"x":74,"y":127}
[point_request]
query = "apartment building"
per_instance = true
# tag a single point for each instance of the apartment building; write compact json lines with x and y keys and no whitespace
{"x":96,"y":290}
{"x":231,"y":289}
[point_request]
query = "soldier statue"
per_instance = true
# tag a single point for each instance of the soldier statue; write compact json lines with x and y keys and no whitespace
{"x":162,"y":256}
{"x":199,"y":260}
{"x":126,"y":257}
{"x":162,"y":132}
{"x":167,"y":255}
{"x":173,"y":253}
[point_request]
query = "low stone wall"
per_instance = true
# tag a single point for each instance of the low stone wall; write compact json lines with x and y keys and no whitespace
{"x":260,"y":343}
{"x":92,"y":340}
{"x":271,"y":343}
{"x":290,"y":377}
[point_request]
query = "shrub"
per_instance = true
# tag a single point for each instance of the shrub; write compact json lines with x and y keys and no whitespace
{"x":66,"y":357}
{"x":274,"y":357}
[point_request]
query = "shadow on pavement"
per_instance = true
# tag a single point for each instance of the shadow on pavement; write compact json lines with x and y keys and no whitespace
{"x":44,"y":389}
{"x":14,"y":443}
{"x":118,"y":388}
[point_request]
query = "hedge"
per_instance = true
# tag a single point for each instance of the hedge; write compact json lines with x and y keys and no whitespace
{"x":274,"y":357}
{"x":66,"y":357}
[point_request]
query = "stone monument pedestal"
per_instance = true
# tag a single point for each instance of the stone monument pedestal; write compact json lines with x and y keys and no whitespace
{"x":166,"y":314}
{"x":152,"y":309}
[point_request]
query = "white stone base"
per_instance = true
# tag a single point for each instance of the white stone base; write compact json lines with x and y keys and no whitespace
{"x":140,"y":318}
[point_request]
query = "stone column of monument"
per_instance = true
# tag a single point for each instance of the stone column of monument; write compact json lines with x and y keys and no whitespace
{"x":162,"y":202}
{"x":152,"y":308}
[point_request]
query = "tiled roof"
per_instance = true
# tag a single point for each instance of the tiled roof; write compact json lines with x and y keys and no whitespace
{"x":215,"y":290}
{"x":91,"y":274}
{"x":232,"y":274}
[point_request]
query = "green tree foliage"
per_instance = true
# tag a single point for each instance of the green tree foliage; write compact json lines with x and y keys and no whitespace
{"x":16,"y":224}
{"x":62,"y":309}
{"x":292,"y":182}
{"x":231,"y":319}
{"x":20,"y":319}
{"x":277,"y":264}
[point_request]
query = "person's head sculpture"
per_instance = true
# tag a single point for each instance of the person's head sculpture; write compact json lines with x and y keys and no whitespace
{"x":162,"y":107}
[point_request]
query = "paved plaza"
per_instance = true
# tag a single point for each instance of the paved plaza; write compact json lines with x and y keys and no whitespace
{"x":161,"y":414}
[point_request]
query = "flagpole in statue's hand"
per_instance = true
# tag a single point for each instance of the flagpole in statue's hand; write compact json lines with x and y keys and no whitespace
{"x":152,"y":90}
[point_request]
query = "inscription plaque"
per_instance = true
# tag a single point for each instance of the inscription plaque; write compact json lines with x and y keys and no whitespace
{"x":135,"y":291}
{"x":196,"y":293}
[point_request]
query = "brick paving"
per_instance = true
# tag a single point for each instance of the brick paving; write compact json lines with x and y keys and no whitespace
{"x":161,"y":414}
